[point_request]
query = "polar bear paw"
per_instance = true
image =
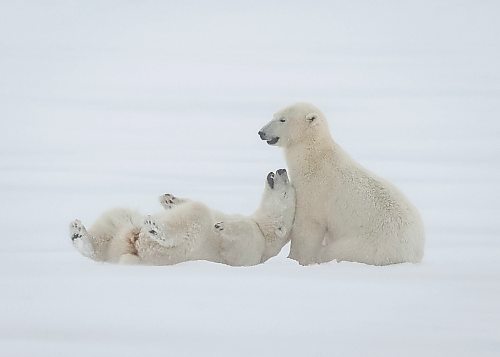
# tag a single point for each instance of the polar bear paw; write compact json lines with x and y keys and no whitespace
{"x":77,"y":230}
{"x":169,"y":201}
{"x":152,"y":230}
{"x":219,"y":226}
{"x":81,"y":239}
{"x":151,"y":227}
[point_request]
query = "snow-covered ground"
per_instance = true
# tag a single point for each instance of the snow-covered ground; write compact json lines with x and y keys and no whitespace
{"x":111,"y":103}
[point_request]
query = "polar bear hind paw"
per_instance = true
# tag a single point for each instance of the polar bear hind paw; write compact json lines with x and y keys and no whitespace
{"x":80,"y":239}
{"x":76,"y":229}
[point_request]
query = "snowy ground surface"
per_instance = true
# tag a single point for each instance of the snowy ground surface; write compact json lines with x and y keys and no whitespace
{"x":111,"y":103}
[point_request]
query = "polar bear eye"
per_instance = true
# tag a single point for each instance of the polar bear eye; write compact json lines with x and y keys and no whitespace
{"x":282,"y":120}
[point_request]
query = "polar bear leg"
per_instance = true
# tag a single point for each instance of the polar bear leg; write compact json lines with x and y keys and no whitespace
{"x":122,"y":245}
{"x":225,"y":233}
{"x":227,"y":240}
{"x":81,"y":239}
{"x":356,"y":249}
{"x":307,"y":240}
{"x":169,"y":201}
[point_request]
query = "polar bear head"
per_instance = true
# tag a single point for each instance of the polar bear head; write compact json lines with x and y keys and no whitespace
{"x":294,"y":124}
{"x":277,"y":207}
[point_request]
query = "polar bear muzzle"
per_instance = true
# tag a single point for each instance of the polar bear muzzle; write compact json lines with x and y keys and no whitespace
{"x":270,"y":140}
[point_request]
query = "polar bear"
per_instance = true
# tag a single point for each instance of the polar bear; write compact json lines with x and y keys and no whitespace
{"x":343,"y":212}
{"x":189,"y":230}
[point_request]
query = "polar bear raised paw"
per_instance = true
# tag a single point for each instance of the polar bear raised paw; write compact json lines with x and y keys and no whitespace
{"x":150,"y":226}
{"x":81,"y":239}
{"x":219,"y":226}
{"x":152,"y":230}
{"x":169,"y":201}
{"x":76,"y":230}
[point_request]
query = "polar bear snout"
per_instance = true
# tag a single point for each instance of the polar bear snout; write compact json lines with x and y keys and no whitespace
{"x":270,"y":133}
{"x":271,"y":140}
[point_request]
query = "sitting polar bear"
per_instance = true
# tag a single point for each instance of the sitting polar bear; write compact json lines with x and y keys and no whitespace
{"x":343,"y":211}
{"x":188,"y":230}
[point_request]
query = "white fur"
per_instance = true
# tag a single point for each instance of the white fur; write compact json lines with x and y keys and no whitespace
{"x":188,"y":230}
{"x":343,"y":211}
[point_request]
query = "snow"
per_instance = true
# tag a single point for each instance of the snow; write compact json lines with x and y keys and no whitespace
{"x":113,"y":103}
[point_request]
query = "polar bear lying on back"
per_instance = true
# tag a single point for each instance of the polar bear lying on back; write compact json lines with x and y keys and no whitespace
{"x":343,"y":211}
{"x":188,"y":230}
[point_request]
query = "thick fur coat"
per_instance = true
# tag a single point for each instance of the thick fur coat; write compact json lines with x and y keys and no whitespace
{"x":343,"y":211}
{"x":189,"y":230}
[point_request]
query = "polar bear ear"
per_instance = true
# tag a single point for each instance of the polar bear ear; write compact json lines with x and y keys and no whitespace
{"x":311,"y":117}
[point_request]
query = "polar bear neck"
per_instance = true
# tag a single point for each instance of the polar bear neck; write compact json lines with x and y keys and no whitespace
{"x":275,"y":222}
{"x":308,"y":157}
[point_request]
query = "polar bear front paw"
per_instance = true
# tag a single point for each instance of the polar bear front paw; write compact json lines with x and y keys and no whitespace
{"x":153,"y":231}
{"x":219,"y":226}
{"x":169,"y":201}
{"x":151,"y":226}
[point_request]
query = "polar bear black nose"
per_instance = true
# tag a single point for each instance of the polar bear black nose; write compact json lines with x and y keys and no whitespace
{"x":262,"y":135}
